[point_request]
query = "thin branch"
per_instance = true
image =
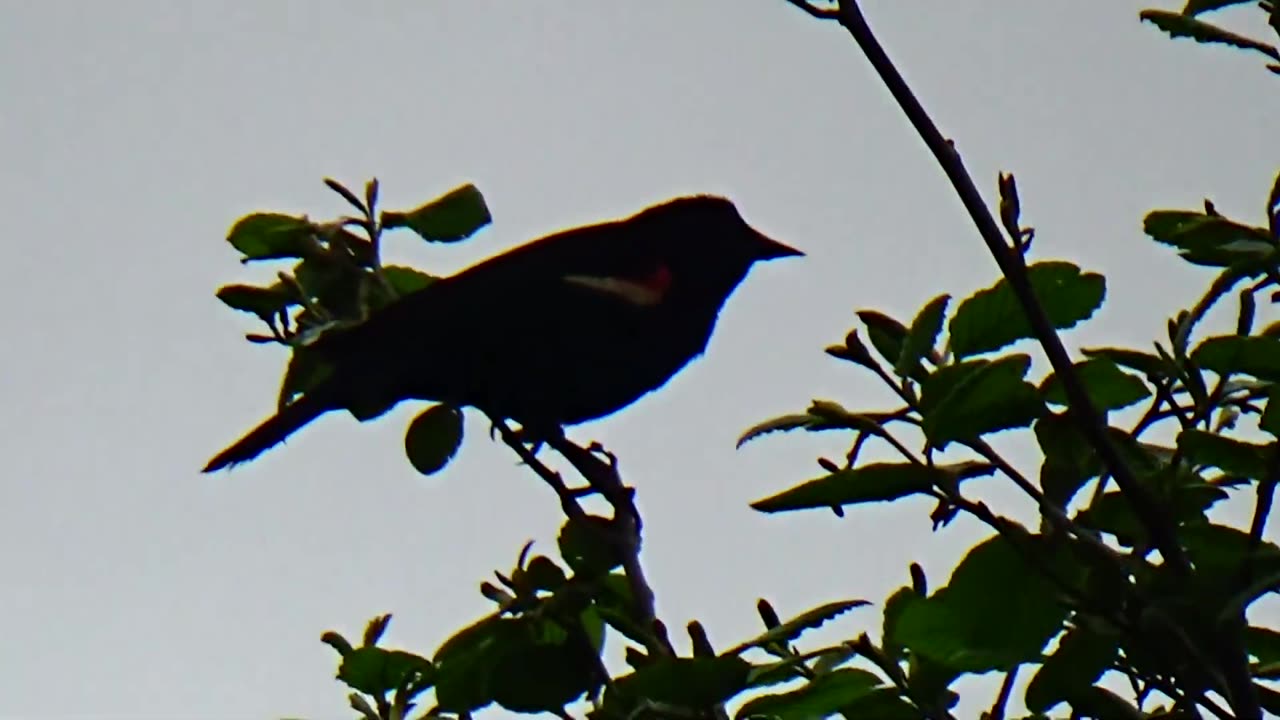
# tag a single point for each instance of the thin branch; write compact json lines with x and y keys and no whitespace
{"x":867,"y":649}
{"x":1014,"y":269}
{"x":604,"y":478}
{"x":1006,"y":689}
{"x":568,"y":499}
{"x":820,"y":13}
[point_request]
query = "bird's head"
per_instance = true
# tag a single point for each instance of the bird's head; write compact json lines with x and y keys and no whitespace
{"x":709,"y":231}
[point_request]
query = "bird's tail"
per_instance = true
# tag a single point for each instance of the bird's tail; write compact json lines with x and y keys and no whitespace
{"x":272,"y":431}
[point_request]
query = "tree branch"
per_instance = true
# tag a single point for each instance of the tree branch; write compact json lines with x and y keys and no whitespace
{"x":1011,"y":264}
{"x":603,"y":476}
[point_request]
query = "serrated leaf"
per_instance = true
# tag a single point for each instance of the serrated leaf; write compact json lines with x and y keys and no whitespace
{"x":536,"y":674}
{"x":587,"y":545}
{"x":433,"y":438}
{"x":267,"y":236}
{"x":776,"y":673}
{"x":1112,"y":512}
{"x":973,"y":398}
{"x":1218,"y":551}
{"x":886,"y":334}
{"x":466,"y":661}
{"x":782,"y":423}
{"x":454,"y":216}
{"x":876,"y":482}
{"x":922,"y":336}
{"x":377,"y":671}
{"x":821,"y":415}
{"x":893,"y":608}
{"x":1108,"y":386}
{"x":793,"y":628}
{"x":1196,"y":7}
{"x":1234,"y":457}
{"x":1102,"y":704}
{"x":992,"y":318}
{"x":694,"y":683}
{"x":823,"y":696}
{"x":1079,"y":660}
{"x":1248,"y":355}
{"x":1208,"y":240}
{"x":996,"y":612}
{"x":882,"y":704}
{"x":1179,"y":25}
{"x":1145,"y":363}
{"x":265,"y":302}
{"x":1069,"y":460}
{"x":1263,"y":644}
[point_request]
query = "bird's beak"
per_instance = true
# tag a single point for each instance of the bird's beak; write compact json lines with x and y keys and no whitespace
{"x":770,"y":248}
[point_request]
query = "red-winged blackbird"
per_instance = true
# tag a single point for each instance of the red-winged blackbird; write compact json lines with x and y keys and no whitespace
{"x":564,"y":329}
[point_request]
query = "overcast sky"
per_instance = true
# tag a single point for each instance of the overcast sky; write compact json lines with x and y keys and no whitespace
{"x":132,"y":134}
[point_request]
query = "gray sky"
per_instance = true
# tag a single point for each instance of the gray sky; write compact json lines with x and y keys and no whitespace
{"x":133,"y":133}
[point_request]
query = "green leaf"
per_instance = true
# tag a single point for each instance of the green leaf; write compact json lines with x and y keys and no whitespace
{"x":433,"y":438}
{"x":1234,"y":457}
{"x":466,"y":661}
{"x":1178,"y":25}
{"x":454,"y":216}
{"x":405,"y":280}
{"x":1218,"y":551}
{"x":377,"y":671}
{"x":264,"y":302}
{"x":921,"y":338}
{"x":821,"y":415}
{"x":1079,"y":660}
{"x":790,"y":630}
{"x":888,"y":336}
{"x":1146,"y":363}
{"x":1263,"y":644}
{"x":881,"y":704}
{"x":693,"y":683}
{"x":1249,"y":355}
{"x":824,"y":695}
{"x":996,"y":612}
{"x":1209,"y":240}
{"x":1270,"y":420}
{"x":1102,"y":704}
{"x":536,"y":675}
{"x":992,"y":318}
{"x":877,"y":482}
{"x":973,"y":398}
{"x":1196,"y":7}
{"x":542,"y":573}
{"x":266,"y":236}
{"x":374,"y":629}
{"x":893,"y":609}
{"x":1108,"y":386}
{"x":587,"y":545}
{"x":1112,"y":512}
{"x":776,"y":673}
{"x":1069,"y":460}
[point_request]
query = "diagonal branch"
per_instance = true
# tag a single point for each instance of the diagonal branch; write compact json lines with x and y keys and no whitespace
{"x":1010,"y":261}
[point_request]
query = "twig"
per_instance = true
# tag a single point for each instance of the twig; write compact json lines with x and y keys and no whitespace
{"x":820,"y":13}
{"x":603,"y":476}
{"x":1006,"y":689}
{"x":568,"y":500}
{"x":1014,"y":269}
{"x":864,"y":647}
